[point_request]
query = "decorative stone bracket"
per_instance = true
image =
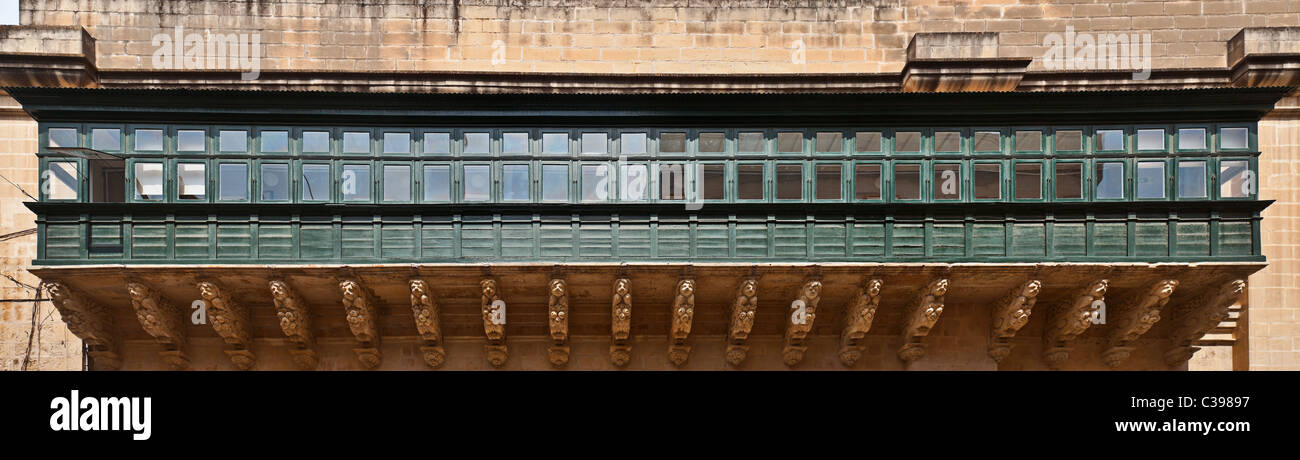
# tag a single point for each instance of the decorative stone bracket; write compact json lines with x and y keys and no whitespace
{"x":425,"y":312}
{"x":1134,"y":319}
{"x":620,"y":349}
{"x":89,"y":321}
{"x":494,"y":323}
{"x":1190,"y":324}
{"x":1070,"y":319}
{"x":1011,"y":314}
{"x":683,"y":314}
{"x":803,"y":311}
{"x":742,"y":320}
{"x":359,"y":303}
{"x":162,"y":320}
{"x":231,"y":321}
{"x":295,"y":321}
{"x":921,"y":318}
{"x":857,"y":320}
{"x":558,"y":319}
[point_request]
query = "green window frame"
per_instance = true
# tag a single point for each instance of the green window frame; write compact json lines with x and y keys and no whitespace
{"x":1204,"y":179}
{"x":739,"y":174}
{"x":178,"y":134}
{"x":510,"y":136}
{"x":711,"y":143}
{"x":263,"y":135}
{"x":978,"y":136}
{"x":469,"y":174}
{"x":894,"y":170}
{"x":1247,"y":180}
{"x":1016,"y":184}
{"x":98,"y":137}
{"x":226,"y":139}
{"x":830,"y":141}
{"x":590,"y":186}
{"x":866,"y":168}
{"x":940,"y":183}
{"x":869,"y":142}
{"x":506,"y":170}
{"x":157,"y":192}
{"x":1206,"y":136}
{"x":391,"y":143}
{"x":896,"y":147}
{"x":1062,"y":136}
{"x":784,"y":142}
{"x":745,"y":138}
{"x":179,"y":183}
{"x":551,"y":139}
{"x":79,"y":136}
{"x":980,"y":166}
{"x":567,"y":186}
{"x":839,"y":184}
{"x":247,"y":185}
{"x":629,"y":183}
{"x":1104,"y":135}
{"x":715,"y":170}
{"x":1149,"y":133}
{"x":300,"y":145}
{"x":389,"y":170}
{"x":1056,"y":179}
{"x":1143,"y":166}
{"x":135,"y":134}
{"x":349,"y":179}
{"x":945,"y":135}
{"x":1221,"y":134}
{"x":595,"y":143}
{"x":1097,"y":180}
{"x":62,"y":175}
{"x":1022,"y":139}
{"x":796,"y":169}
{"x":304,"y":185}
{"x":679,"y":173}
{"x":436,"y":143}
{"x":427,"y":193}
{"x":626,"y":142}
{"x":260,"y":179}
{"x":356,"y":142}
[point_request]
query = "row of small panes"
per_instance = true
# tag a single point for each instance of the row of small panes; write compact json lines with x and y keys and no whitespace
{"x":639,"y":142}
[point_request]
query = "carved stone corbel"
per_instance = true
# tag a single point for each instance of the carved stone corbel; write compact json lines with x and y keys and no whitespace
{"x":162,"y":320}
{"x":425,"y":312}
{"x":231,"y":321}
{"x":857,"y":321}
{"x":1190,"y":324}
{"x":89,"y":321}
{"x":360,"y":305}
{"x":803,"y":311}
{"x":1134,"y":319}
{"x":558,"y":319}
{"x":494,"y":323}
{"x":620,"y":348}
{"x":295,"y":321}
{"x":683,"y":314}
{"x":742,"y":320}
{"x":1009,"y":315}
{"x":921,"y":318}
{"x":1070,"y":319}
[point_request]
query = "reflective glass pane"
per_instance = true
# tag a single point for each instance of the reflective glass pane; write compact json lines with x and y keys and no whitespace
{"x":1191,"y":139}
{"x":907,"y":181}
{"x":713,"y":180}
{"x":514,"y":143}
{"x":356,"y":182}
{"x":148,"y":181}
{"x":1191,"y":179}
{"x":672,"y":182}
{"x":947,"y":141}
{"x":555,"y":182}
{"x":1236,"y":180}
{"x":1151,"y":179}
{"x":712,"y":142}
{"x":907,"y":141}
{"x":514,"y":182}
{"x":478,"y":183}
{"x":233,"y":181}
{"x":315,"y":182}
{"x":988,"y":181}
{"x":633,"y":143}
{"x":1110,"y":139}
{"x":232,"y":141}
{"x":1029,"y":181}
{"x":1234,"y":138}
{"x":987,"y":141}
{"x":356,"y":142}
{"x":191,"y":181}
{"x":1069,"y":140}
{"x":868,"y":141}
{"x":635,"y":182}
{"x":477,"y":143}
{"x":63,"y":180}
{"x":148,"y":140}
{"x":672,"y":142}
{"x":1110,"y":180}
{"x":595,"y":143}
{"x":397,"y":143}
{"x":397,"y":183}
{"x":315,"y":141}
{"x":947,"y":181}
{"x":1069,"y":180}
{"x":830,"y":182}
{"x":275,"y":182}
{"x":750,"y":142}
{"x":1151,"y":139}
{"x":106,"y":139}
{"x":789,"y":142}
{"x":1029,"y":141}
{"x":866,"y":182}
{"x":789,"y":182}
{"x":437,"y":143}
{"x":830,"y":142}
{"x":555,"y":143}
{"x":437,"y":183}
{"x":62,"y":137}
{"x":749,"y":182}
{"x":595,"y":182}
{"x":275,"y":141}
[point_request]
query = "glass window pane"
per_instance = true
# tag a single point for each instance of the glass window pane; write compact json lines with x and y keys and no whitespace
{"x":514,"y":143}
{"x":714,"y":179}
{"x":62,"y":137}
{"x":1191,"y":139}
{"x":397,"y":143}
{"x":750,"y":142}
{"x":275,"y":141}
{"x":1029,"y":141}
{"x":988,"y":181}
{"x":63,"y":180}
{"x":356,"y":142}
{"x":1069,"y":180}
{"x":437,"y":143}
{"x":232,"y":141}
{"x":356,"y":182}
{"x":712,"y":142}
{"x":397,"y":183}
{"x":1110,"y":180}
{"x":749,"y":182}
{"x":789,"y":182}
{"x":947,"y":181}
{"x":595,"y":143}
{"x":907,"y":141}
{"x":478,"y":183}
{"x":148,"y":140}
{"x":595,"y":182}
{"x":1069,"y":140}
{"x":437,"y":183}
{"x":1110,"y":139}
{"x":987,"y":141}
{"x":514,"y":182}
{"x":1029,"y":181}
{"x":672,"y":142}
{"x":907,"y":181}
{"x":1151,"y":179}
{"x":477,"y":143}
{"x":106,"y":139}
{"x":635,"y":182}
{"x":633,"y":143}
{"x":672,"y":182}
{"x":830,"y":142}
{"x":1151,"y":139}
{"x":233,"y":181}
{"x":315,"y":141}
{"x":275,"y":182}
{"x":191,"y":181}
{"x":1191,"y":179}
{"x":947,"y":141}
{"x":1236,"y":180}
{"x":789,"y":142}
{"x":555,"y":182}
{"x":315,"y":182}
{"x":1234,"y":138}
{"x":555,"y":143}
{"x":830,"y":181}
{"x":866,"y":183}
{"x":868,"y":141}
{"x":148,"y":181}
